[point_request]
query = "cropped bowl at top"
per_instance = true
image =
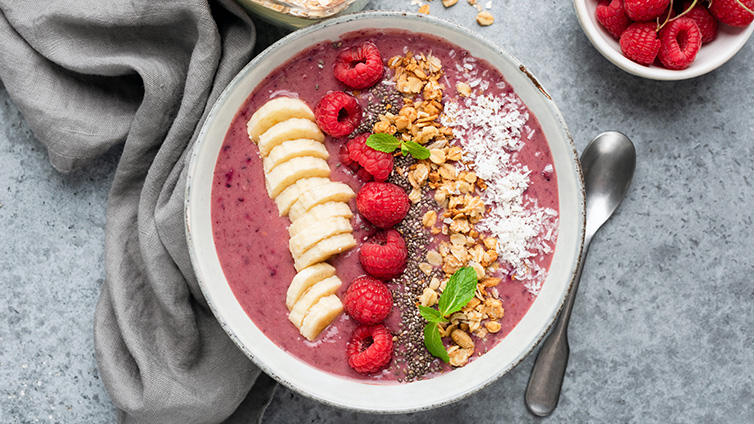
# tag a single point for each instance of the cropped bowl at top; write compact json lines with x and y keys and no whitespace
{"x":710,"y":57}
{"x":362,"y":395}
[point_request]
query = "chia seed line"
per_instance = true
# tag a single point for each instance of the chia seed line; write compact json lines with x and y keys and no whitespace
{"x":411,"y":357}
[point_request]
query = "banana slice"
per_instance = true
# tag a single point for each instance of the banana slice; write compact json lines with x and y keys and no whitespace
{"x":295,"y":169}
{"x":331,"y":192}
{"x":323,"y":288}
{"x":325,"y":249}
{"x":275,"y":111}
{"x":305,"y":279}
{"x":291,"y":129}
{"x":290,"y":195}
{"x":318,"y":214}
{"x":304,"y":240}
{"x":292,"y":149}
{"x":320,"y":315}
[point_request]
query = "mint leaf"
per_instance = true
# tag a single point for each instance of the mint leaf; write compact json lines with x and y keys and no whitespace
{"x":388,"y":143}
{"x":459,"y":291}
{"x":416,"y":150}
{"x":383,"y":142}
{"x":433,"y":341}
{"x":431,"y":315}
{"x":404,"y":149}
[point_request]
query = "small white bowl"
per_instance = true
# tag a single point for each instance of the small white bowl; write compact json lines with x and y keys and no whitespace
{"x":728,"y":42}
{"x":356,"y":394}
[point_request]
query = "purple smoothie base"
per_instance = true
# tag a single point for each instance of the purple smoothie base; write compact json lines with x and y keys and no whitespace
{"x":252,"y":239}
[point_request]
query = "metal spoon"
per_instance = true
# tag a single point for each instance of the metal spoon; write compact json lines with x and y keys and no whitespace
{"x":608,"y":163}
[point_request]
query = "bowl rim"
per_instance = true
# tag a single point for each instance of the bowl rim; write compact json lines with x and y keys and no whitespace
{"x":545,"y":97}
{"x":596,"y":36}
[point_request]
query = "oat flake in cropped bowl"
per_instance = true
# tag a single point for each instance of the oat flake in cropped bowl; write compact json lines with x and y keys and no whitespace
{"x":293,"y":14}
{"x":507,"y":206}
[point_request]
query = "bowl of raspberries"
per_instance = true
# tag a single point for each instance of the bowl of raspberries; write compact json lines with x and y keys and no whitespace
{"x":667,"y":39}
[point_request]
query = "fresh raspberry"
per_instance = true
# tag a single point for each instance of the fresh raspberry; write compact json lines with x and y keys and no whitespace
{"x":639,"y":42}
{"x":378,"y":165}
{"x":368,"y":301}
{"x":382,"y":204}
{"x":345,"y":158}
{"x":645,"y":10}
{"x":384,"y":255}
{"x":612,"y":16}
{"x":733,"y":12}
{"x":681,"y":41}
{"x":359,"y":67}
{"x":704,"y":20}
{"x":370,"y":348}
{"x":338,"y":113}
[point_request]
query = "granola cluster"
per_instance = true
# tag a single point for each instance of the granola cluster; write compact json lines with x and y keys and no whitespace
{"x":455,"y":193}
{"x":455,"y":188}
{"x":416,"y":78}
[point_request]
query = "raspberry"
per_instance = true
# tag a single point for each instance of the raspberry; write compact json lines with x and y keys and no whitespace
{"x":368,"y":300}
{"x":376,"y":164}
{"x":681,"y":41}
{"x":338,"y":113}
{"x":639,"y":42}
{"x":370,"y":348}
{"x":704,"y":20}
{"x":612,"y":16}
{"x":733,"y":12}
{"x":359,"y":67}
{"x":345,"y":158}
{"x":384,"y":255}
{"x":382,"y":204}
{"x":645,"y":10}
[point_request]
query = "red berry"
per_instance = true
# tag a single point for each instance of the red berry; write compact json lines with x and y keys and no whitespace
{"x":382,"y":204}
{"x":367,"y":300}
{"x":681,"y":41}
{"x":733,"y":12}
{"x":639,"y":42}
{"x":338,"y":113}
{"x":645,"y":10}
{"x":704,"y":20}
{"x":359,"y":67}
{"x":370,"y":348}
{"x":384,"y":255}
{"x":612,"y":16}
{"x":345,"y":158}
{"x":377,"y":164}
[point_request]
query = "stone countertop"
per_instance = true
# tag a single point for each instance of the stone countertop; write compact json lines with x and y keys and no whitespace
{"x":662,"y":327}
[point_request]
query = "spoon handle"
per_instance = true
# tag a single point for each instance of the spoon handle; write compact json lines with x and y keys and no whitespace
{"x":546,"y":379}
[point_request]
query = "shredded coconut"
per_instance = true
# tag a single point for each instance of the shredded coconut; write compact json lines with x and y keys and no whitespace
{"x":490,"y":129}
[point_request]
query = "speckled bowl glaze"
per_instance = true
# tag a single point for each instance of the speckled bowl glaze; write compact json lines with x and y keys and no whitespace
{"x":711,"y":56}
{"x":359,"y":395}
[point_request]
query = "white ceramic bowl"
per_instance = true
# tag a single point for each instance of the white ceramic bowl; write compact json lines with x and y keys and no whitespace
{"x":711,"y":56}
{"x":348,"y":393}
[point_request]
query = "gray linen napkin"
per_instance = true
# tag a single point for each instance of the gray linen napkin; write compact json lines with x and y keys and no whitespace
{"x":91,"y":74}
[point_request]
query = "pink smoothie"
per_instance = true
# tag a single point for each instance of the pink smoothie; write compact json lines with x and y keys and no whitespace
{"x":252,"y":239}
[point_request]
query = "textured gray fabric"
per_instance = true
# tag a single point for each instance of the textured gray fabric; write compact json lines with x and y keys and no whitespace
{"x":91,"y":74}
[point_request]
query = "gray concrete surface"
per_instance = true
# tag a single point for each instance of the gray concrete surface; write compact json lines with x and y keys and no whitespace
{"x":662,"y":328}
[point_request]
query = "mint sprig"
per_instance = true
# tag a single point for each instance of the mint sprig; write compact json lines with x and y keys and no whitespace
{"x":388,"y":143}
{"x":458,"y":292}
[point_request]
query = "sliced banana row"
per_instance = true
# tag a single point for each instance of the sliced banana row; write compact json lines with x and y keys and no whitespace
{"x":297,"y":178}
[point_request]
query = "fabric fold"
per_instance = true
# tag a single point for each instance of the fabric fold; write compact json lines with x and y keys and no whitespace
{"x":91,"y":74}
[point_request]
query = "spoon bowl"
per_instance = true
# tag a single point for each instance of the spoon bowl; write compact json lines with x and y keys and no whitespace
{"x":608,"y":163}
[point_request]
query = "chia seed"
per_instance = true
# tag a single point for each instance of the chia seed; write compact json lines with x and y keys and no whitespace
{"x":410,"y":285}
{"x":380,"y":96}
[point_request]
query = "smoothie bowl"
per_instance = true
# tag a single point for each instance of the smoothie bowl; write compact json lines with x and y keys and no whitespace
{"x":382,"y":219}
